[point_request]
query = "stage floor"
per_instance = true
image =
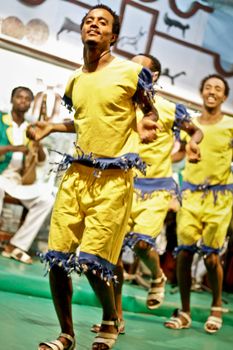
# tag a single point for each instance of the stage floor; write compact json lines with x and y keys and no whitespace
{"x":27,"y":315}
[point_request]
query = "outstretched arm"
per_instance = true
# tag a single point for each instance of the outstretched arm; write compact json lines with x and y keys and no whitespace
{"x":192,"y":148}
{"x":12,"y":148}
{"x":40,"y":130}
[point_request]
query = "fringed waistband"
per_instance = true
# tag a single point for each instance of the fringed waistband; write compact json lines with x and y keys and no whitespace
{"x":125,"y":162}
{"x":150,"y":185}
{"x":205,"y":188}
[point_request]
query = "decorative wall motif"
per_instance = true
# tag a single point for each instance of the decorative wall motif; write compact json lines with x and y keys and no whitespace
{"x":191,"y":38}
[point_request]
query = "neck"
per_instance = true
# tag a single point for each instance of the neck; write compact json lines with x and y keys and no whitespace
{"x":18,"y":117}
{"x":211,"y":115}
{"x":94,"y":59}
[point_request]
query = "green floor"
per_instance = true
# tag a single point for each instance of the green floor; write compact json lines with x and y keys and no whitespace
{"x":27,"y":315}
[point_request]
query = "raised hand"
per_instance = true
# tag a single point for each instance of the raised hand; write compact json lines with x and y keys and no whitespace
{"x":38,"y":130}
{"x":193,"y":152}
{"x":147,"y":129}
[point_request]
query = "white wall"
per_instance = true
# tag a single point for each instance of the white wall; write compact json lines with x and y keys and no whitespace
{"x":18,"y":69}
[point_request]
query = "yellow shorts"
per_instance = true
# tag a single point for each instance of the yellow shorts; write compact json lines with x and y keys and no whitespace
{"x":91,"y":213}
{"x":148,"y":213}
{"x":202,"y":218}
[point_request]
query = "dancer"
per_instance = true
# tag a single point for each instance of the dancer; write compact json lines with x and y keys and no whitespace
{"x":94,"y":199}
{"x":206,"y":205}
{"x":154,"y":192}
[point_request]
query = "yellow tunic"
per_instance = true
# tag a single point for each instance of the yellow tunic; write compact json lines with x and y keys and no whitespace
{"x":148,"y":212}
{"x":104,"y":113}
{"x":202,"y":216}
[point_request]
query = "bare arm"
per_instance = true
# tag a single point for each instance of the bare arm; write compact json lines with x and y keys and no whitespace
{"x":12,"y":148}
{"x":39,"y":130}
{"x":192,"y":148}
{"x":148,"y":126}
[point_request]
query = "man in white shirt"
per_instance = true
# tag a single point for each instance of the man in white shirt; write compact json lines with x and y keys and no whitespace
{"x":15,"y":180}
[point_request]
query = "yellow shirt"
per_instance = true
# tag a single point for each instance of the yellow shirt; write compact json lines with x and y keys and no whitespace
{"x":157,"y":154}
{"x":105,"y":118}
{"x":216,"y":154}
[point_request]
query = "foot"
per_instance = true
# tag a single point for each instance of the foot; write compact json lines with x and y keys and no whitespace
{"x":156,"y":292}
{"x":107,"y":336}
{"x":10,"y":251}
{"x":121,"y":329}
{"x":63,"y":342}
{"x":179,"y":320}
{"x":214,"y":321}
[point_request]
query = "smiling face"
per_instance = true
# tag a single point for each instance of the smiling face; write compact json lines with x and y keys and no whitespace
{"x":213,"y":93}
{"x":97,"y":29}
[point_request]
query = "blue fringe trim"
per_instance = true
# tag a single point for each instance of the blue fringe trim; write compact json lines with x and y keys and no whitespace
{"x":98,"y":266}
{"x":132,"y":238}
{"x":67,"y":102}
{"x":145,"y":83}
{"x":206,"y":250}
{"x":190,"y":248}
{"x":68,"y":261}
{"x":201,"y":250}
{"x":181,"y":116}
{"x":206,"y":187}
{"x":149,"y":185}
{"x":83,"y":263}
{"x":124,"y":162}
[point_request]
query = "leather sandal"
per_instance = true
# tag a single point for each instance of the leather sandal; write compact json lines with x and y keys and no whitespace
{"x":156,"y":294}
{"x":214,"y":321}
{"x":58,"y":345}
{"x":106,"y":338}
{"x":121,"y":328}
{"x":175,"y":322}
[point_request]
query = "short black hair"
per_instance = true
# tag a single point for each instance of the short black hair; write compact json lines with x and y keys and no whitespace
{"x":24,"y":88}
{"x":155,"y":63}
{"x":217,"y":76}
{"x":116,"y":18}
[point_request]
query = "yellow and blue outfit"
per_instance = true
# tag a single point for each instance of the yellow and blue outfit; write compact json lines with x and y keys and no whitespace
{"x":207,"y":191}
{"x":153,"y":192}
{"x":94,"y":199}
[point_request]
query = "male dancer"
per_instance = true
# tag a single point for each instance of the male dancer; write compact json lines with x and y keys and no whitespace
{"x":154,"y":192}
{"x":207,"y":204}
{"x":94,"y":199}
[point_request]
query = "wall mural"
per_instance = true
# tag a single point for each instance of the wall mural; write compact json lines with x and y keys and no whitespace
{"x":191,"y":38}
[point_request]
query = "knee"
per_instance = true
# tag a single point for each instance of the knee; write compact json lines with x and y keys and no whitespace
{"x":211,"y":261}
{"x":142,"y":247}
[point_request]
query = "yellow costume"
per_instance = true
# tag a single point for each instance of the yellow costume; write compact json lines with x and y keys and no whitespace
{"x":153,"y":192}
{"x":207,"y":190}
{"x":94,"y":198}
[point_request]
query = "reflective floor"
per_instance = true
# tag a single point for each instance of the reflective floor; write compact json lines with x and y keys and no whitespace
{"x":27,"y":315}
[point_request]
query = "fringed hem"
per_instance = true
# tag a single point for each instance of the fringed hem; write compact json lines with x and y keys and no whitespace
{"x":83,"y":263}
{"x":132,"y":238}
{"x":206,"y":250}
{"x":124,"y":162}
{"x":200,"y":249}
{"x":190,"y":248}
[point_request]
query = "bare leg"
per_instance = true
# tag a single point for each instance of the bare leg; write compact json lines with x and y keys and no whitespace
{"x":105,"y":294}
{"x":215,"y":276}
{"x":61,"y":289}
{"x":150,"y":257}
{"x":184,"y":262}
{"x":119,"y":272}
